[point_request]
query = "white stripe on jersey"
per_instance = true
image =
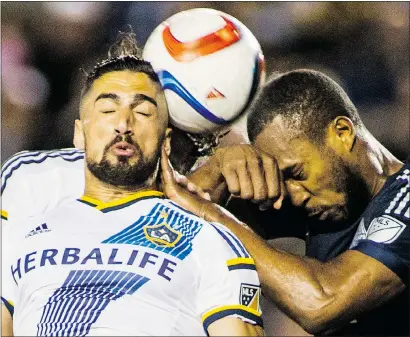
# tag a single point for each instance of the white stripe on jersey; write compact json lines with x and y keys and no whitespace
{"x":36,"y":157}
{"x":403,"y":203}
{"x":402,"y":198}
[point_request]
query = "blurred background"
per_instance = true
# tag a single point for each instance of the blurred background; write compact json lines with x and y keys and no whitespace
{"x":44,"y":45}
{"x":362,"y":45}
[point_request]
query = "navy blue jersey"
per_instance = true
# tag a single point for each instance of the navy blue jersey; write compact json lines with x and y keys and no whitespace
{"x":383,"y":233}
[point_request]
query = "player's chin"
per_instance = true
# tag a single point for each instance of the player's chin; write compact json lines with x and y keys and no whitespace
{"x":337,"y":214}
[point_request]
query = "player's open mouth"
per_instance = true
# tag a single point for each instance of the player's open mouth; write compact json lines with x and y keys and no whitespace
{"x":124,"y":149}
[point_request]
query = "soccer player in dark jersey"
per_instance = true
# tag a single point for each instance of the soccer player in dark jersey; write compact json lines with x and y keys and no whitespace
{"x":310,"y":142}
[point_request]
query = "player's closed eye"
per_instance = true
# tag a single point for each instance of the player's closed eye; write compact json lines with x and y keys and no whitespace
{"x":147,"y":114}
{"x":299,"y":174}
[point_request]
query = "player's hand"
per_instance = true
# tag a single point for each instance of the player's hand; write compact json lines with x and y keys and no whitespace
{"x":190,"y":186}
{"x":179,"y":189}
{"x":251,"y":175}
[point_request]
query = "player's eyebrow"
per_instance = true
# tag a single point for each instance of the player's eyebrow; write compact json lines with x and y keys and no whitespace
{"x":112,"y":96}
{"x":289,"y":170}
{"x":139,"y":98}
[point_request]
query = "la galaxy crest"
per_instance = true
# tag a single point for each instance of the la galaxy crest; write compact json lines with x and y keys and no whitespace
{"x":249,"y":296}
{"x":162,"y":234}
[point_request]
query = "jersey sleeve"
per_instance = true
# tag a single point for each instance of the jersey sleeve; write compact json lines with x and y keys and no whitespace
{"x":33,"y":182}
{"x":11,"y":185}
{"x":229,"y":284}
{"x":387,"y":239}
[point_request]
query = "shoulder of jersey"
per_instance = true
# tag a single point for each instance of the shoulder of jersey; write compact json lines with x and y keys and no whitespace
{"x":211,"y":231}
{"x":27,"y":162}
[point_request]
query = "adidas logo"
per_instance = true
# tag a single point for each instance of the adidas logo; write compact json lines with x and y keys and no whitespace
{"x":39,"y":230}
{"x":215,"y":93}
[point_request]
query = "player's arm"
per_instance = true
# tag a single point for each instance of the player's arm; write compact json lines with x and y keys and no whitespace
{"x":242,"y":171}
{"x":319,"y":296}
{"x":229,"y":287}
{"x":6,"y":321}
{"x":233,"y":327}
{"x":229,"y":292}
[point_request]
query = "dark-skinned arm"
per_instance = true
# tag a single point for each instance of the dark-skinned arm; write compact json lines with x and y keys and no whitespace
{"x":242,"y":171}
{"x":319,"y":296}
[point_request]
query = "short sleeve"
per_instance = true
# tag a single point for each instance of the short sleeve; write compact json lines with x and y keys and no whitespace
{"x":229,"y":284}
{"x":10,"y":185}
{"x":387,"y":237}
{"x":33,"y":182}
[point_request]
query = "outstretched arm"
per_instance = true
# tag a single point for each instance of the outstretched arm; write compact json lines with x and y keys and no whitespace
{"x":319,"y":296}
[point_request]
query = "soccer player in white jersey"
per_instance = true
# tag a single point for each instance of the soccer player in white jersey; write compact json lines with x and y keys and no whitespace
{"x":123,"y":259}
{"x":33,"y":182}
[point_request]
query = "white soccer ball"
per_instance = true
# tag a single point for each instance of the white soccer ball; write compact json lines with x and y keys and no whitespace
{"x":210,"y":66}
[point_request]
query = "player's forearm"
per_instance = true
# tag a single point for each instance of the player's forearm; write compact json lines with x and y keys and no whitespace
{"x":292,"y":282}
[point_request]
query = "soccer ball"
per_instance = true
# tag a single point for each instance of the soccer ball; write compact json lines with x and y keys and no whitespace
{"x":210,"y":66}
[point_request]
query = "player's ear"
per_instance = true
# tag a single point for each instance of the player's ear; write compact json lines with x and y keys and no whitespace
{"x":78,"y":135}
{"x":167,"y":140}
{"x":341,"y":134}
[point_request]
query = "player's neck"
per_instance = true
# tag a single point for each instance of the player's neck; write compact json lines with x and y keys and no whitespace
{"x":376,"y":162}
{"x":96,"y":189}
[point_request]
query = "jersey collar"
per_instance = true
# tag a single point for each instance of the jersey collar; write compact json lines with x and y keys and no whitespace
{"x":120,"y":203}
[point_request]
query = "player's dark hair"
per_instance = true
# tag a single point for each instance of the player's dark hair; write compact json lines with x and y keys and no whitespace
{"x":123,"y":54}
{"x":307,"y":99}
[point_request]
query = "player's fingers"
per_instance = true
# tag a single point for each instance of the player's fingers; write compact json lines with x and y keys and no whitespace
{"x":232,"y":180}
{"x":278,"y":203}
{"x":167,"y":173}
{"x":198,"y":191}
{"x":245,"y":183}
{"x":257,"y":176}
{"x":181,"y":179}
{"x":272,"y":177}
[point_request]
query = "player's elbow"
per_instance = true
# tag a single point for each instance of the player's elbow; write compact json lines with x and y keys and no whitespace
{"x":317,"y":318}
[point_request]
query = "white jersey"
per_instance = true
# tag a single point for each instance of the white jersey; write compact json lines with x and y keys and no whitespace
{"x":138,"y":266}
{"x":33,"y":182}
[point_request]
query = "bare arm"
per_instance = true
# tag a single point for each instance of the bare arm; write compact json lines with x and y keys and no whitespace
{"x":6,"y":322}
{"x":319,"y":296}
{"x":242,"y":171}
{"x":231,"y":326}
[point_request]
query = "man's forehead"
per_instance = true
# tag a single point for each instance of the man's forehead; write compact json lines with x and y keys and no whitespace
{"x":281,"y":141}
{"x":126,"y":81}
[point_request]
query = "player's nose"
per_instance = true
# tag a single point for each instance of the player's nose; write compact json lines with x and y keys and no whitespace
{"x":124,"y":123}
{"x":298,"y":195}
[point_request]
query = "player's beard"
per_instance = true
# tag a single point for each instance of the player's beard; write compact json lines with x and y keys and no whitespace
{"x":352,"y":186}
{"x":140,"y":174}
